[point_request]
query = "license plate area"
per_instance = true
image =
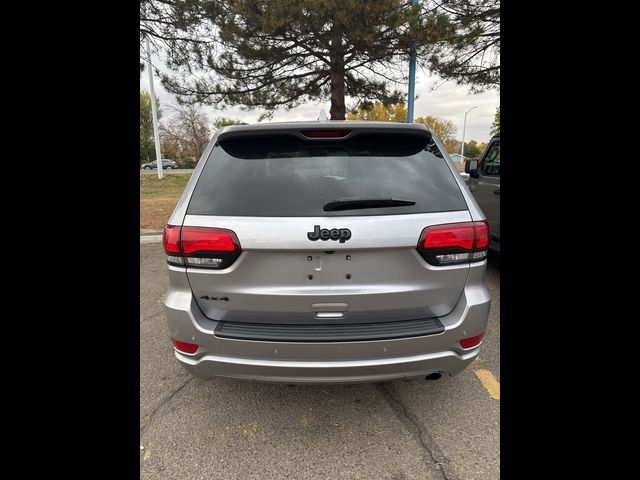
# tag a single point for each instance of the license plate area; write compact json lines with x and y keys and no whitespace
{"x":333,"y":267}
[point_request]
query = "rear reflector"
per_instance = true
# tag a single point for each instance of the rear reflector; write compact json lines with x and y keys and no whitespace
{"x":471,"y":341}
{"x":184,"y":347}
{"x":454,"y":243}
{"x":202,"y":247}
{"x":325,"y":133}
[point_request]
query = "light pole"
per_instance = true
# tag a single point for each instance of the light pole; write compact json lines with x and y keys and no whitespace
{"x":154,"y":112}
{"x":412,"y":76}
{"x":464,"y":127}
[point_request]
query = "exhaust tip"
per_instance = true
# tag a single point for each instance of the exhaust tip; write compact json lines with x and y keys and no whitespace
{"x":433,"y":376}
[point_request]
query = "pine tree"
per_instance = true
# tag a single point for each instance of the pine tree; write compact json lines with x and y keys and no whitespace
{"x":470,"y":53}
{"x":495,"y":126}
{"x":274,"y":54}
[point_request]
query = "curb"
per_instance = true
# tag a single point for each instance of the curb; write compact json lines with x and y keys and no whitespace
{"x":149,"y":238}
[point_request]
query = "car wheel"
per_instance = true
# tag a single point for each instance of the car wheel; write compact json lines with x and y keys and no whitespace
{"x":147,"y":168}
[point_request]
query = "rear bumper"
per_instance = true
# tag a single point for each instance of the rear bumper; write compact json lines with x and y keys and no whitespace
{"x":347,"y":371}
{"x":327,"y":362}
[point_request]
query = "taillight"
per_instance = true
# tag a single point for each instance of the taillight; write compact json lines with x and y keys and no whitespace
{"x":171,"y":240}
{"x":184,"y":347}
{"x":454,"y":243}
{"x":202,"y":247}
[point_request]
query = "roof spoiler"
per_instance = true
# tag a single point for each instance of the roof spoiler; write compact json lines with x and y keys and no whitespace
{"x":325,"y":131}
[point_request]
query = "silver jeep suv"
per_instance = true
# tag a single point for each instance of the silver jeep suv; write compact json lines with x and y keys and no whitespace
{"x":326,"y":252}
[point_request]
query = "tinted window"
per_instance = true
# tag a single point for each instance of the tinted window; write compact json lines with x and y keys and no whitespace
{"x":284,"y":176}
{"x":491,"y":163}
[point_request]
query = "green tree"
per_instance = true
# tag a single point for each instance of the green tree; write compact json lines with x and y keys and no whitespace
{"x":470,"y":52}
{"x":495,"y":126}
{"x":378,"y":111}
{"x":472,"y":149}
{"x":273,"y":54}
{"x":225,"y":122}
{"x":147,"y":145}
{"x":444,"y":129}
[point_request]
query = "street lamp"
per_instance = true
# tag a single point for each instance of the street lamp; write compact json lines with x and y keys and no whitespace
{"x":463,"y":129}
{"x":154,"y":112}
{"x":412,"y":76}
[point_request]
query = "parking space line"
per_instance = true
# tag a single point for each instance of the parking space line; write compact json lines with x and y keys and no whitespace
{"x":489,"y":382}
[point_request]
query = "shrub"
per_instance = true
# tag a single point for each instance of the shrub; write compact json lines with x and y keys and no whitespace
{"x":188,"y":162}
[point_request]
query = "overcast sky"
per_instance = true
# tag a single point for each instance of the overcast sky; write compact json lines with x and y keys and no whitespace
{"x":448,"y":101}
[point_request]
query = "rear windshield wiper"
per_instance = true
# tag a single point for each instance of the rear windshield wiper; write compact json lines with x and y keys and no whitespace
{"x":357,"y":203}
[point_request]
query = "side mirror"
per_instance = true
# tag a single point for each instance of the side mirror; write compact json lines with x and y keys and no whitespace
{"x":471,"y":167}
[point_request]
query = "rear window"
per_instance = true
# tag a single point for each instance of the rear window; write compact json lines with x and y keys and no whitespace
{"x":285,"y":176}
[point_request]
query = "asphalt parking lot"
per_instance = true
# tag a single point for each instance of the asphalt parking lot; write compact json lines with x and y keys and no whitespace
{"x":227,"y":429}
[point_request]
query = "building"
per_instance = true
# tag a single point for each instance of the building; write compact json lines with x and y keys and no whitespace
{"x":458,"y":161}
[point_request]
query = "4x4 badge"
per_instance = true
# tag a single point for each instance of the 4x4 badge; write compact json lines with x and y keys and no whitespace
{"x":341,"y":234}
{"x":207,"y":297}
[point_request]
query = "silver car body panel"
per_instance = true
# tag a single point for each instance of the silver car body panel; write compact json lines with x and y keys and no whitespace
{"x":270,"y":281}
{"x":326,"y":362}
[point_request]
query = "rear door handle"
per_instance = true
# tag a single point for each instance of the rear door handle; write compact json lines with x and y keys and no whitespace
{"x":497,"y":192}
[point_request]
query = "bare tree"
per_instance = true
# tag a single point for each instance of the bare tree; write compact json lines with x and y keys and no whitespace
{"x":187,"y":131}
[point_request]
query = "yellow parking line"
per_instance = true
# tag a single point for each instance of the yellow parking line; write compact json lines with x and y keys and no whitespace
{"x":489,"y":382}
